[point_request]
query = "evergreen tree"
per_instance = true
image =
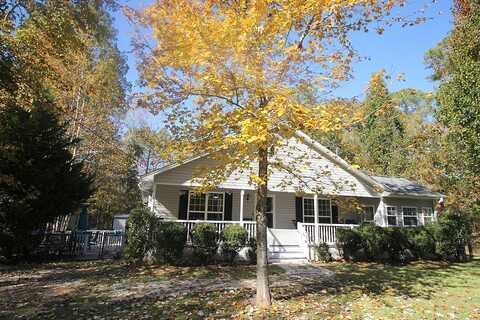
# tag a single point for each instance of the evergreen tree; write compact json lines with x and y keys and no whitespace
{"x":459,"y":93}
{"x":39,"y":179}
{"x":382,"y":133}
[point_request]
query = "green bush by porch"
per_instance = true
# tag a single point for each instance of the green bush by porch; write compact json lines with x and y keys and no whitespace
{"x":445,"y":239}
{"x":234,"y":238}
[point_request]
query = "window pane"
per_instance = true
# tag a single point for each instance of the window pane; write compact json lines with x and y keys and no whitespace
{"x":197,"y":202}
{"x":410,"y":217}
{"x":392,"y":216}
{"x":269,"y":208}
{"x":215,"y":202}
{"x":308,"y":219}
{"x":392,"y":221}
{"x":324,"y":209}
{"x":368,"y":213}
{"x":308,"y":211}
{"x":323,"y":219}
{"x":214,"y":216}
{"x":196,"y":215}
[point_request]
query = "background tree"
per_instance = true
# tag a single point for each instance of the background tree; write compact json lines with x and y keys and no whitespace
{"x":383,"y":131}
{"x":230,"y":77}
{"x":39,"y":179}
{"x":67,"y":51}
{"x":459,"y":91}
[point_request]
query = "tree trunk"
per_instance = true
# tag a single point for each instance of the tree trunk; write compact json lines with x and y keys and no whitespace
{"x":263,"y":286}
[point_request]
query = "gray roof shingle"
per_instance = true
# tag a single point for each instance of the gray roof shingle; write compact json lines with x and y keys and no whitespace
{"x":402,"y":186}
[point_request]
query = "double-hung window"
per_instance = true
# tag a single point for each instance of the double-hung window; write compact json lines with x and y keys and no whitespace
{"x":427,"y":214}
{"x":410,"y":216}
{"x":392,"y":216}
{"x":308,"y":210}
{"x":206,"y":206}
{"x":324,"y":211}
{"x":368,"y":213}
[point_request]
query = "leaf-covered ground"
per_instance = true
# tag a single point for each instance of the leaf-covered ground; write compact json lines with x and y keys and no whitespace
{"x":115,"y":290}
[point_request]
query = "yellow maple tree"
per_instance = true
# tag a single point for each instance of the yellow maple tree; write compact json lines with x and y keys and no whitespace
{"x":231,"y":78}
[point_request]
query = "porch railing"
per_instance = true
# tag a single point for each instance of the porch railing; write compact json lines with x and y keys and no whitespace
{"x":250,"y":226}
{"x":327,"y":233}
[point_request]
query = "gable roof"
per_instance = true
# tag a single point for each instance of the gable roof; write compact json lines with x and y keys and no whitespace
{"x":384,"y":186}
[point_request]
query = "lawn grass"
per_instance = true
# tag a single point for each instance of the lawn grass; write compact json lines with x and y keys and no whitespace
{"x":84,"y":290}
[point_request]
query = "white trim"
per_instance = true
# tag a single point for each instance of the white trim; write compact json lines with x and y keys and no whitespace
{"x":315,"y":217}
{"x":242,"y":195}
{"x":403,"y":216}
{"x":423,"y":214}
{"x":206,"y":212}
{"x":317,"y":198}
{"x":381,"y":221}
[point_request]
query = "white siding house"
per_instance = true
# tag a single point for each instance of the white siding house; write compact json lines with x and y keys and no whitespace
{"x":327,"y":194}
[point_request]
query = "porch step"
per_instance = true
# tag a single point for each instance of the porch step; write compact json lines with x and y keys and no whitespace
{"x":277,"y":251}
{"x":284,"y":247}
{"x":286,"y":255}
{"x":301,"y":261}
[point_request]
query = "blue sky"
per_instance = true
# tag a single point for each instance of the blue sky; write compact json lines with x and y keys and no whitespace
{"x":397,"y":50}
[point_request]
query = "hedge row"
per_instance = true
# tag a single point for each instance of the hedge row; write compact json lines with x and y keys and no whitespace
{"x":445,"y":239}
{"x":165,"y":241}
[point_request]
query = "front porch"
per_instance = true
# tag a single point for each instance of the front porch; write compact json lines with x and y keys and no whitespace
{"x":308,"y":233}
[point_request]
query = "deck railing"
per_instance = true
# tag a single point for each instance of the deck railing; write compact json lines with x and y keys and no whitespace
{"x":327,"y":233}
{"x":250,"y":226}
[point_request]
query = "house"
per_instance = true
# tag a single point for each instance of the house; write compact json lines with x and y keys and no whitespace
{"x":302,"y":209}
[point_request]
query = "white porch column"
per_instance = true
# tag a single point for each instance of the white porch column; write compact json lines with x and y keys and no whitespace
{"x":154,"y":198}
{"x":382,"y":221}
{"x":315,"y":216}
{"x":242,"y":195}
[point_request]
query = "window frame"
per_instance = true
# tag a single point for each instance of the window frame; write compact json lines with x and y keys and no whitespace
{"x":363,"y":213}
{"x":319,"y":216}
{"x":206,"y":211}
{"x":416,"y":216}
{"x":432,"y":214}
{"x":390,"y":215}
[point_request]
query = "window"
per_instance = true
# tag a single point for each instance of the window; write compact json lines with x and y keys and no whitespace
{"x":391,"y":216}
{"x":308,"y":211}
{"x":269,"y":211}
{"x":209,"y":206}
{"x":324,"y":211}
{"x":215,"y":206}
{"x":368,"y":213}
{"x":196,"y":206}
{"x":427,"y":214}
{"x":410,"y":216}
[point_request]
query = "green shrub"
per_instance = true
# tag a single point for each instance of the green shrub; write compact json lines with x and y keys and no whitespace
{"x":397,"y":245}
{"x":234,"y":238}
{"x":351,"y":244}
{"x":205,"y":242}
{"x":170,"y":239}
{"x":375,"y":241}
{"x":322,"y":253}
{"x":452,"y":233}
{"x":421,"y":241}
{"x":140,"y":224}
{"x":252,"y":250}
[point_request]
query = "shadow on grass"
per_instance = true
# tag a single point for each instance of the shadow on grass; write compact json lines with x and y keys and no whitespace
{"x":415,"y":280}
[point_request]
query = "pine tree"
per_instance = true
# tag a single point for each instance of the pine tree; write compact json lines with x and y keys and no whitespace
{"x":383,"y":131}
{"x":39,"y":179}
